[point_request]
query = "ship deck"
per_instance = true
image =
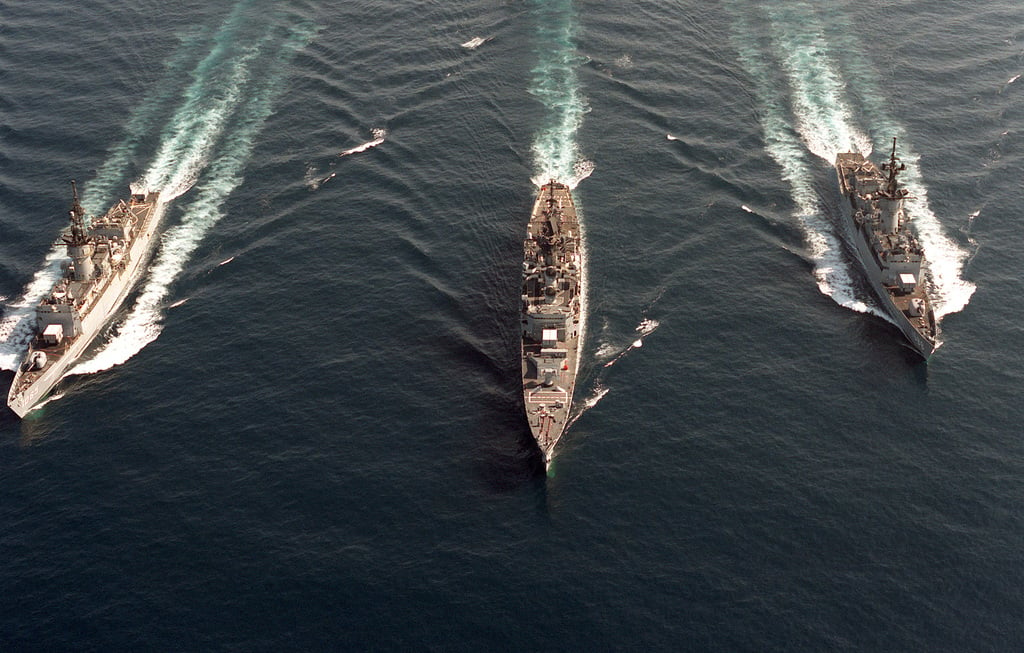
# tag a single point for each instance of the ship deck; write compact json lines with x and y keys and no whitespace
{"x":95,"y":302}
{"x":552,"y":289}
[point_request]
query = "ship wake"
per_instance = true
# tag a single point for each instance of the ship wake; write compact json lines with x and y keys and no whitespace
{"x":556,"y":153}
{"x":809,"y":118}
{"x":17,"y":324}
{"x":555,"y":83}
{"x":614,"y":353}
{"x":378,"y":138}
{"x":822,"y":116}
{"x":207,"y":143}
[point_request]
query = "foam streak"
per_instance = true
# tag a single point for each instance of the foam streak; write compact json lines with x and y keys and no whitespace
{"x":787,"y":147}
{"x":378,"y":138}
{"x":555,"y":83}
{"x":815,"y":113}
{"x":226,"y":119}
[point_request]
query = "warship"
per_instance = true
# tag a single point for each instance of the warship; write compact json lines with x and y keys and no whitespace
{"x":552,"y":320}
{"x":887,"y":249}
{"x":105,"y":259}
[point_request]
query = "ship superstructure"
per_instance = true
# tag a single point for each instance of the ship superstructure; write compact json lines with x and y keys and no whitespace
{"x":106,"y":257}
{"x":888,"y":250}
{"x":552,"y":320}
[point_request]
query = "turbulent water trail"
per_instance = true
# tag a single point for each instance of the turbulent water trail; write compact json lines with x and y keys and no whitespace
{"x":378,"y":138}
{"x":555,"y":83}
{"x":106,"y":185}
{"x":238,"y":72}
{"x":219,"y":84}
{"x":816,"y":92}
{"x":556,"y":153}
{"x":210,"y":138}
{"x":824,"y":118}
{"x":811,"y":113}
{"x":16,"y":326}
{"x":945,"y":259}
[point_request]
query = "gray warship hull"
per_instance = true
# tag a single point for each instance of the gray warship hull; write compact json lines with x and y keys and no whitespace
{"x":84,"y":307}
{"x":552,"y":318}
{"x":894,"y":306}
{"x":886,"y":250}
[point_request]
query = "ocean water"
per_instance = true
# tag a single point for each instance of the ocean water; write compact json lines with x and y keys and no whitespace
{"x":304,"y":430}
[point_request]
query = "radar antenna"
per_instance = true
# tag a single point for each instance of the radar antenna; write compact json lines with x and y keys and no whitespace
{"x":893,"y":167}
{"x":77,"y":215}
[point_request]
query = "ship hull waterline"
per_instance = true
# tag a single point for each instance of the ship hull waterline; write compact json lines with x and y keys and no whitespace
{"x":26,"y":393}
{"x":551,"y":314}
{"x":852,"y":170}
{"x":915,"y":341}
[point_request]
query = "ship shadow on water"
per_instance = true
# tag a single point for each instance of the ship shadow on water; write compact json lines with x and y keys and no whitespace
{"x":504,"y":452}
{"x":508,"y":457}
{"x":884,"y":347}
{"x":40,"y":422}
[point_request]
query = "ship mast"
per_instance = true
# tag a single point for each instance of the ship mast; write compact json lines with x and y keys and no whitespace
{"x":80,"y":248}
{"x":892,"y":189}
{"x":77,"y":213}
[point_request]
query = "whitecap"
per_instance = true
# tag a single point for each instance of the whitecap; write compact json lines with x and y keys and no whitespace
{"x":475,"y":42}
{"x":378,"y":138}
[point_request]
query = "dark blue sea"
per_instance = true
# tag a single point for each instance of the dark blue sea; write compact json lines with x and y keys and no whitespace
{"x":304,"y":430}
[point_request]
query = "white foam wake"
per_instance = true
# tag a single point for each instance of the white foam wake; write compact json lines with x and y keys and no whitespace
{"x":585,"y":285}
{"x":823,"y":115}
{"x":378,"y":138}
{"x":191,"y":136}
{"x":107,"y":184}
{"x":16,"y":326}
{"x":555,"y":83}
{"x":945,"y":259}
{"x":555,"y":151}
{"x":225,"y":121}
{"x":475,"y":42}
{"x":18,"y":323}
{"x":646,"y":327}
{"x":143,"y":323}
{"x":789,"y":148}
{"x":825,"y":124}
{"x":596,"y":395}
{"x":580,"y":171}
